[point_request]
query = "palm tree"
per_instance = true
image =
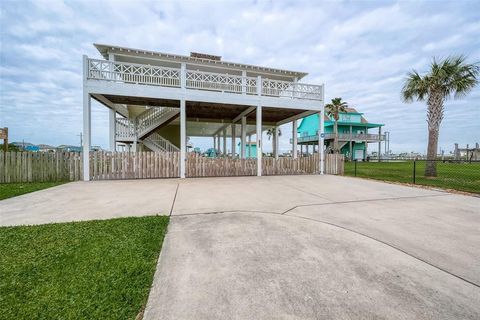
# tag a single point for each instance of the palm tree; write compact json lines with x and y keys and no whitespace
{"x":332,"y":110}
{"x":451,"y":76}
{"x":271,"y":131}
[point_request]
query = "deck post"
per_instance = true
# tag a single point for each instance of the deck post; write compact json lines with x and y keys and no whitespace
{"x":379,"y":143}
{"x":321,"y":139}
{"x":87,"y":134}
{"x":259,"y":126}
{"x":295,"y":139}
{"x":276,"y":137}
{"x":183,"y":137}
{"x":243,"y":137}
{"x":259,"y":140}
{"x":218,"y":143}
{"x":249,"y":152}
{"x":112,"y":130}
{"x":233,"y":139}
{"x":214,"y":142}
{"x":224,"y":151}
{"x":350,"y":143}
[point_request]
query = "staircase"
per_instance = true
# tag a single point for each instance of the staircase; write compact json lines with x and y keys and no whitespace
{"x":154,"y":118}
{"x":142,"y":128}
{"x":157,"y":143}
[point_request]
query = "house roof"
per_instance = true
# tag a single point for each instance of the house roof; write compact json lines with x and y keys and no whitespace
{"x":104,"y":49}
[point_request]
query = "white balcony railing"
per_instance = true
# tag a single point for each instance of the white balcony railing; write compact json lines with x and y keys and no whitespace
{"x":369,"y":137}
{"x":199,"y":80}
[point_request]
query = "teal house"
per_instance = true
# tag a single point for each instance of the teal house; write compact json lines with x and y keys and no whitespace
{"x":353,"y":134}
{"x":250,"y":149}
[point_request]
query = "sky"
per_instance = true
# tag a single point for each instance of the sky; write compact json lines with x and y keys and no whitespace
{"x":361,"y":50}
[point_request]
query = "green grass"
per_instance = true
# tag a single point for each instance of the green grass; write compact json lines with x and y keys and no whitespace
{"x":81,"y":270}
{"x":457,"y":176}
{"x":8,"y":190}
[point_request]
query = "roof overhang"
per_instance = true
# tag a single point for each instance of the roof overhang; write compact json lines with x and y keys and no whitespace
{"x":106,"y":49}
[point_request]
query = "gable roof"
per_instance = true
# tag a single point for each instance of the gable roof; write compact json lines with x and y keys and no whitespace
{"x":104,"y":49}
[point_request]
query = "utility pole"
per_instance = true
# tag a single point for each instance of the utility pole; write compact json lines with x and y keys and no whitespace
{"x":81,"y":139}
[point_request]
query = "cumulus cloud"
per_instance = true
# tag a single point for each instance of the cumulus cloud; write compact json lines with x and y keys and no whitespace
{"x":360,"y":50}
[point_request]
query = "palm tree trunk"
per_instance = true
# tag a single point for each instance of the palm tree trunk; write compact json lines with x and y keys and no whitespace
{"x":434,"y":118}
{"x":335,"y":139}
{"x":431,"y":167}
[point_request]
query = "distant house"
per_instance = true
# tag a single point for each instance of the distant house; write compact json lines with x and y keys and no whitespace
{"x":46,"y":148}
{"x":26,"y":146}
{"x":69,"y":148}
{"x":353,"y":135}
{"x":250,"y":149}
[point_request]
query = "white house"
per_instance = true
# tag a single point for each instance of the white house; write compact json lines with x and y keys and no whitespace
{"x":157,"y":100}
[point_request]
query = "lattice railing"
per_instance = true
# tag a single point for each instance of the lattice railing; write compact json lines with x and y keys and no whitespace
{"x":171,"y":77}
{"x":133,"y":73}
{"x":278,"y":88}
{"x":220,"y":82}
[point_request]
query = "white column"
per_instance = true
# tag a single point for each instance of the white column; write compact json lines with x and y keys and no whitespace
{"x":294,"y":139}
{"x":224,"y":151}
{"x":321,"y":140}
{"x":218,"y":143}
{"x":87,"y":134}
{"x":214,"y":143}
{"x":259,"y":140}
{"x":243,"y":137}
{"x":249,"y":152}
{"x":379,"y":142}
{"x":233,"y":139}
{"x":277,"y":142}
{"x":112,"y":131}
{"x":183,"y":137}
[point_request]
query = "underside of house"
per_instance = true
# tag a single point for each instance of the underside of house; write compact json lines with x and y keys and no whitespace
{"x":157,"y":101}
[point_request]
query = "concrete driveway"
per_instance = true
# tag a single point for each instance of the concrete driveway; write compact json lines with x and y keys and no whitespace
{"x":291,"y":247}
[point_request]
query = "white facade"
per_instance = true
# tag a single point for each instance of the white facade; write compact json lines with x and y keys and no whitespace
{"x":157,"y":100}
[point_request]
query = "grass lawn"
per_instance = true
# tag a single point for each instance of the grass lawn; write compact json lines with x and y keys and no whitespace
{"x":8,"y":190}
{"x":457,"y":176}
{"x":80,"y":270}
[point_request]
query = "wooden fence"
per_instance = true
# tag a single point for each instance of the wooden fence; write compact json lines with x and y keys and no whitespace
{"x":199,"y":166}
{"x":286,"y":166}
{"x":40,"y":167}
{"x":130,"y":165}
{"x":67,"y":166}
{"x":334,"y":164}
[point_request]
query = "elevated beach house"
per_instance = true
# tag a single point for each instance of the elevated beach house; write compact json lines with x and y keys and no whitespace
{"x":157,"y":100}
{"x":353,"y":134}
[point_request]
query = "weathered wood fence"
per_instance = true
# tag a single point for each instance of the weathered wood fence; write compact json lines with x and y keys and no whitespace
{"x":68,"y":166}
{"x":130,"y":165}
{"x":334,"y":164}
{"x":199,"y":166}
{"x":39,"y":166}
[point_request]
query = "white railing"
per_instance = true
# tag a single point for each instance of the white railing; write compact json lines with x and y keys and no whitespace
{"x":343,"y":137}
{"x":221,"y":82}
{"x":158,"y":143}
{"x":133,"y":73}
{"x":199,"y":80}
{"x":150,"y":119}
{"x":124,"y":128}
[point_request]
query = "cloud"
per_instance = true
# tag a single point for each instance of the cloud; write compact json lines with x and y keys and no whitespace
{"x":360,"y":50}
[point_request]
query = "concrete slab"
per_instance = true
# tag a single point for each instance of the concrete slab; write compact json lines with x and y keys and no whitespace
{"x":260,"y":194}
{"x":270,"y":266}
{"x":90,"y":200}
{"x":339,"y":189}
{"x":442,"y":229}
